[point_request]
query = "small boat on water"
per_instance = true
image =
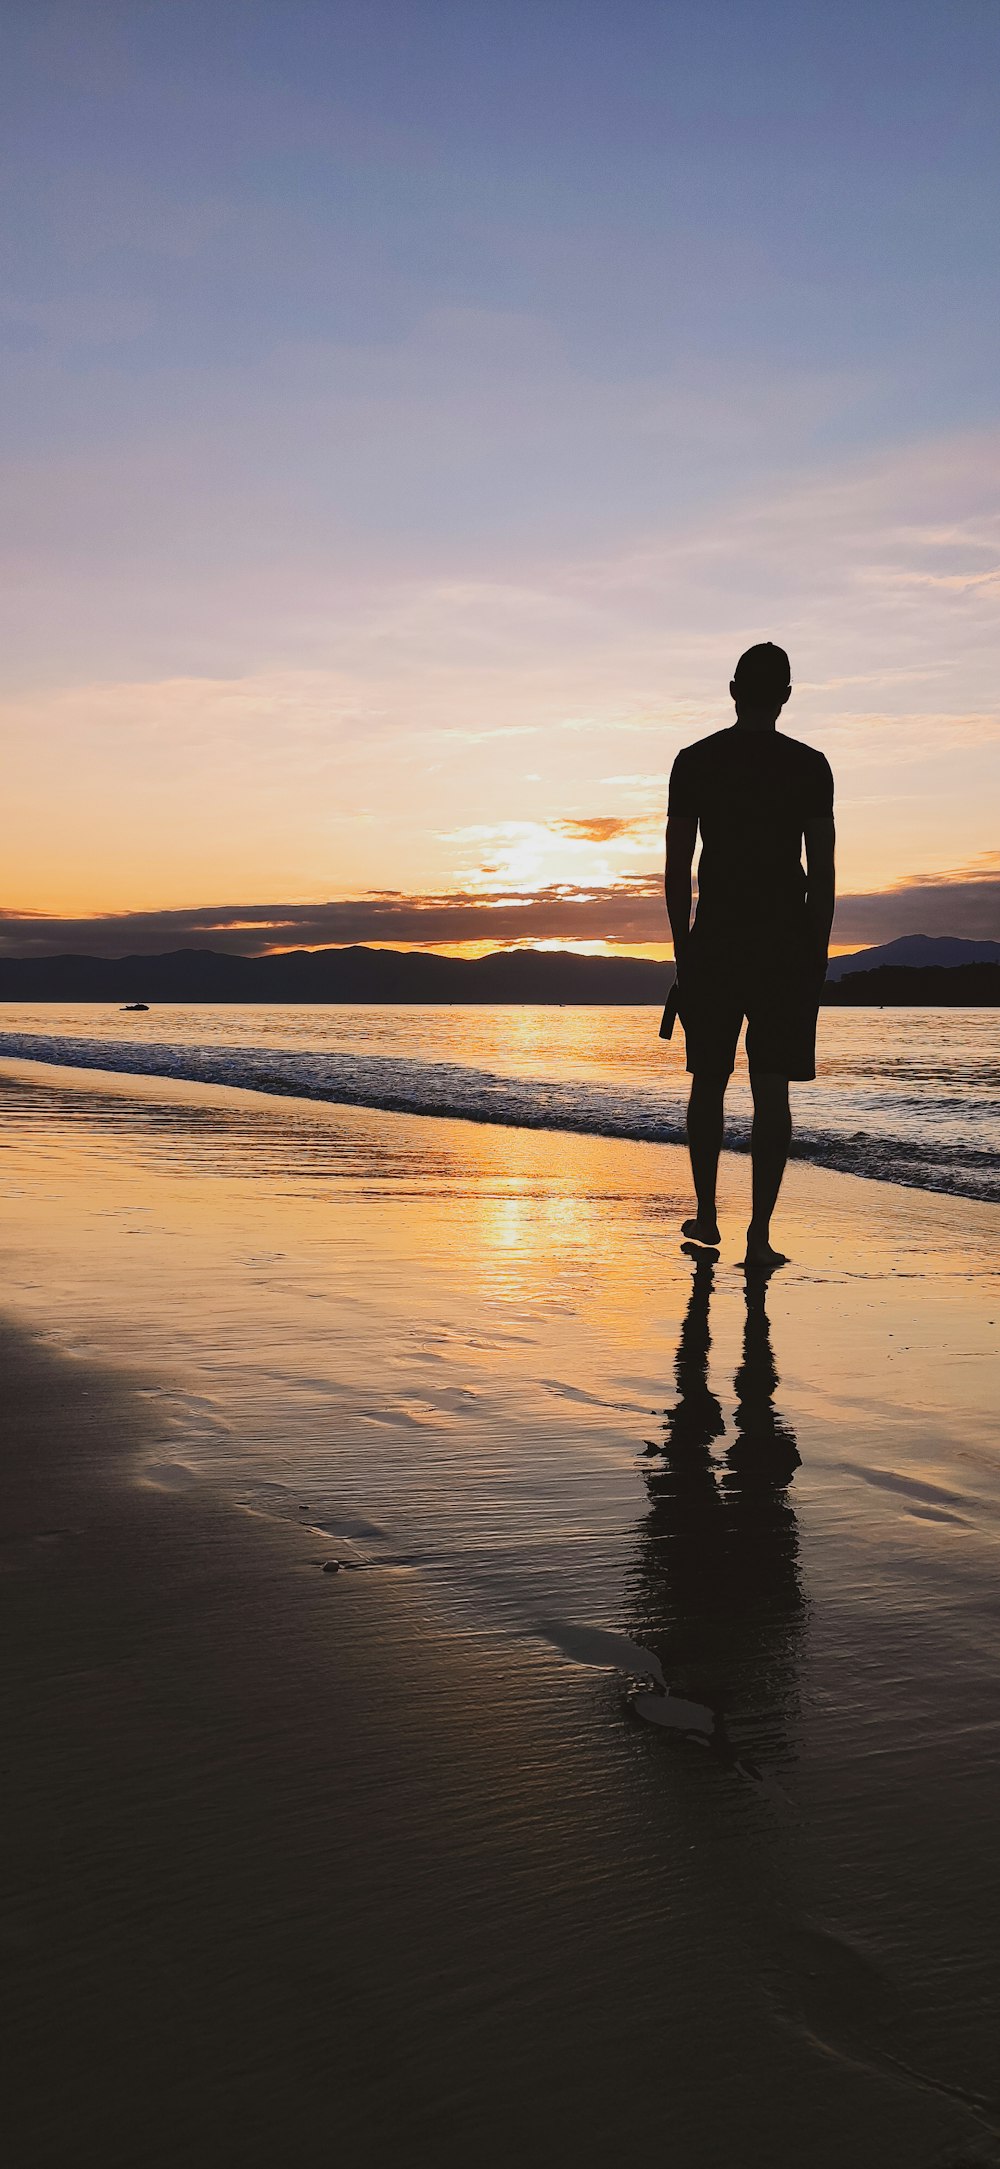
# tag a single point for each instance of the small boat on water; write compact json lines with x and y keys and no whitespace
{"x":134,"y":1005}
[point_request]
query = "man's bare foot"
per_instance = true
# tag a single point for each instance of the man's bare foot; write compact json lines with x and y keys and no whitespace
{"x":761,"y":1253}
{"x":704,"y":1228}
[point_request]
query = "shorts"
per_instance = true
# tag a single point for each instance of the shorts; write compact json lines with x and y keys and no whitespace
{"x":776,"y":987}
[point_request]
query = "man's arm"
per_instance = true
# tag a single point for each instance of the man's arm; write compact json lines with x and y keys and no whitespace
{"x":821,"y":890}
{"x":682,"y":835}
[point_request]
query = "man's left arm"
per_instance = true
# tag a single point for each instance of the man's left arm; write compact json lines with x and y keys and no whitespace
{"x":821,"y":884}
{"x":682,"y":835}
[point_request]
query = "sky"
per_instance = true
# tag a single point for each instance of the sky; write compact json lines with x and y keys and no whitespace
{"x":411,"y":410}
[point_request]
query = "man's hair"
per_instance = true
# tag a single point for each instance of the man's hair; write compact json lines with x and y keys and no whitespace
{"x":763,"y":674}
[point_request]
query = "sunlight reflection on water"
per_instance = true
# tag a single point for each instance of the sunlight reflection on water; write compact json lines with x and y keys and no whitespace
{"x":910,"y":1096}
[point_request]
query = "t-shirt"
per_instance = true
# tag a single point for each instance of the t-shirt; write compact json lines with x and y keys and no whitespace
{"x":751,"y":792}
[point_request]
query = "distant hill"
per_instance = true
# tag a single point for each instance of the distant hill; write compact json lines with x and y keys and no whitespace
{"x":958,"y":986}
{"x":508,"y":975}
{"x":336,"y":975}
{"x":919,"y":951}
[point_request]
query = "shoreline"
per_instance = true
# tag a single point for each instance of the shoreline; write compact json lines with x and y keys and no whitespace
{"x":319,"y":1862}
{"x":829,"y":1150}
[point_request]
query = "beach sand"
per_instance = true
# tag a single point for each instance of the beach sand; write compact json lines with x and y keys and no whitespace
{"x":364,"y":1865}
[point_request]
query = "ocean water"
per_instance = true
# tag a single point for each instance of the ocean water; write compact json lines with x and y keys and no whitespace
{"x":907,"y":1096}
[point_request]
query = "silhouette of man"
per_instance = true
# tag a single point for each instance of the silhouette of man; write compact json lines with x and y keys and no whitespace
{"x":758,"y":946}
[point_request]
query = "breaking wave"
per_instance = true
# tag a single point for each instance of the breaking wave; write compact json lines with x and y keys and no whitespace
{"x":461,"y":1092}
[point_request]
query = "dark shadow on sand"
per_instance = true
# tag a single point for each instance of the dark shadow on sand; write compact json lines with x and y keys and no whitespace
{"x":717,"y":1590}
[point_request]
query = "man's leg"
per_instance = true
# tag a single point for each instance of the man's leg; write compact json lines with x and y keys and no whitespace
{"x":769,"y":1141}
{"x":704,"y":1130}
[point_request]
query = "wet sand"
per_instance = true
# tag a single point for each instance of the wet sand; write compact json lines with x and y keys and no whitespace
{"x":364,"y":1863}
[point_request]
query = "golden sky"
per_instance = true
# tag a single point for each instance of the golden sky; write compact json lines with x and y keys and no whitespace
{"x":398,"y":458}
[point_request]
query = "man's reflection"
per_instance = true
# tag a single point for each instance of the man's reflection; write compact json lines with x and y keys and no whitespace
{"x":717,"y":1590}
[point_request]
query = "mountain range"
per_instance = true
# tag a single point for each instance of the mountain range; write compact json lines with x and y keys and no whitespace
{"x":510,"y":975}
{"x":917,"y":952}
{"x":336,"y":975}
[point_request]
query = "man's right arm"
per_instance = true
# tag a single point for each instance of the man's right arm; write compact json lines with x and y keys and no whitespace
{"x":682,"y":835}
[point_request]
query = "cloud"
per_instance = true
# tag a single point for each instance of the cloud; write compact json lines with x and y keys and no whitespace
{"x":964,"y":901}
{"x":626,"y":912}
{"x":601,"y":827}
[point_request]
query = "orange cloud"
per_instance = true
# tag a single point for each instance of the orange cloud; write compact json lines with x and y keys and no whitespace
{"x":601,"y":827}
{"x":627,"y":913}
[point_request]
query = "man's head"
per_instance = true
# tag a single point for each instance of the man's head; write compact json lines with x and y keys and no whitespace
{"x":761,"y":683}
